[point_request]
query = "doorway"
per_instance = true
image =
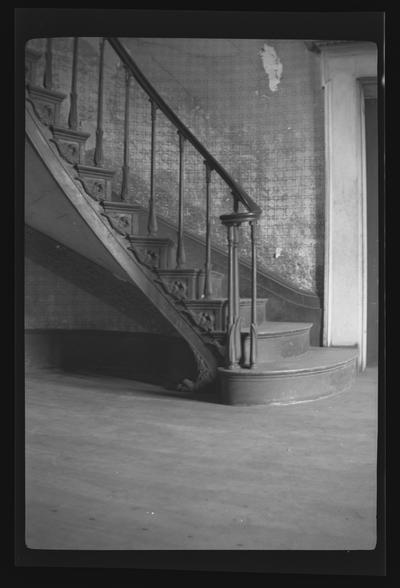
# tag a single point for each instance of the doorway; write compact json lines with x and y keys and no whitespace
{"x":372,"y":185}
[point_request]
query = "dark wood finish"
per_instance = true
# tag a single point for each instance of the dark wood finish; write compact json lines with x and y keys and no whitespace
{"x":46,"y":104}
{"x":180,"y":250}
{"x":48,"y":68}
{"x":207,"y":265}
{"x":69,"y":143}
{"x":238,"y":192}
{"x":230,"y":347}
{"x":98,"y":153}
{"x":152,"y":221}
{"x":125,"y":167}
{"x":301,"y":305}
{"x":234,"y":320}
{"x":253,"y":326}
{"x":235,"y":203}
{"x":232,"y":221}
{"x":236,"y":218}
{"x":317,"y":374}
{"x":73,"y":111}
{"x":236,"y":295}
{"x":31,"y":60}
{"x":97,"y":181}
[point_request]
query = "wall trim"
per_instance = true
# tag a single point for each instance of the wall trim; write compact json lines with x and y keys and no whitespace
{"x":344,"y":67}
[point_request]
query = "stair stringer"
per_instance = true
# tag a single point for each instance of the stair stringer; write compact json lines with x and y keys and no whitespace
{"x":208,"y":353}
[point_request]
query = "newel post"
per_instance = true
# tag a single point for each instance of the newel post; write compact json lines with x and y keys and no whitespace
{"x":233,"y":222}
{"x":234,"y":320}
{"x":253,"y":324}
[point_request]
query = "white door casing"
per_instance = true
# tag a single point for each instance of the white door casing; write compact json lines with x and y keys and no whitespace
{"x":344,"y":66}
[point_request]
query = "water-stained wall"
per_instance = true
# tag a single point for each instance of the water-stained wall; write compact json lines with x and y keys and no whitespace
{"x":255,"y":104}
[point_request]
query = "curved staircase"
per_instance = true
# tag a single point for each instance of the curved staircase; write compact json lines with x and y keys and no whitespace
{"x":288,"y":370}
{"x":251,"y":359}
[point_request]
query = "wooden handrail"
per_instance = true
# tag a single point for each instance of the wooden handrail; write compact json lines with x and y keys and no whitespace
{"x":237,"y":218}
{"x":238,"y":192}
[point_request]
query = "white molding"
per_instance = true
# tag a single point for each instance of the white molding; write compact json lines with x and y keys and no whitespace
{"x":345,"y":295}
{"x":363,"y":234}
{"x":327,"y":318}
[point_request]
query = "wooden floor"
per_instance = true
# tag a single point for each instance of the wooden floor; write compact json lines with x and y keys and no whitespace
{"x":116,"y":464}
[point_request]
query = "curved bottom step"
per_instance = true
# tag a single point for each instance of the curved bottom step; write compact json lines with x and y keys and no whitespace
{"x":276,"y":340}
{"x":320,"y":372}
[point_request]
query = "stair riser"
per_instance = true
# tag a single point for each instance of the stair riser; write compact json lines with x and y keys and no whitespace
{"x":191,"y":287}
{"x":47,"y":104}
{"x":180,"y":284}
{"x":245,"y":312}
{"x":214,"y":314}
{"x":277,"y":347}
{"x":97,"y":181}
{"x":138,"y":226}
{"x":140,"y":219}
{"x":243,"y":389}
{"x":155,"y":256}
{"x":217,"y":285}
{"x":32,"y":58}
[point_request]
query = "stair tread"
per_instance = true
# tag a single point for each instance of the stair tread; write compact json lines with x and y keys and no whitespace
{"x":148,"y":239}
{"x":315,"y":358}
{"x":189,"y":270}
{"x":210,"y":300}
{"x":280,"y":327}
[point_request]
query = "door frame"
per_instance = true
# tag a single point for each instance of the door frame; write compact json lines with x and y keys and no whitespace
{"x":347,"y":70}
{"x":369,"y":89}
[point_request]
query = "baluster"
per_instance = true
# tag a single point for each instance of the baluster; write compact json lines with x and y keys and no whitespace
{"x":180,"y":251}
{"x":125,"y":167}
{"x":236,"y":295}
{"x":48,"y":69}
{"x":253,"y":325}
{"x":234,"y":320}
{"x":207,"y":266}
{"x":73,"y":111}
{"x":230,"y":340}
{"x":152,"y":220}
{"x":98,"y":153}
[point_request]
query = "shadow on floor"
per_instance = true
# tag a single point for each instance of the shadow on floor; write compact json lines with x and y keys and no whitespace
{"x":150,"y":385}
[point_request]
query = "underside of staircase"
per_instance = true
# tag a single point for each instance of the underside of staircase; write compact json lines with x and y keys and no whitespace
{"x":241,"y":355}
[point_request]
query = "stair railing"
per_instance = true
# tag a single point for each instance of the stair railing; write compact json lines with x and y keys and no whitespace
{"x":232,"y":221}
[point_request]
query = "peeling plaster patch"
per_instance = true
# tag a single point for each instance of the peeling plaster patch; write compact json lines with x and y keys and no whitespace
{"x":272,"y":66}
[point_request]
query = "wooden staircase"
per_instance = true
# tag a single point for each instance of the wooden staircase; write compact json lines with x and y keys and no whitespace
{"x":256,"y":361}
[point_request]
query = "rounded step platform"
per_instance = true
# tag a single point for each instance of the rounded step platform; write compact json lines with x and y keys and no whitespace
{"x":320,"y":372}
{"x":276,"y":340}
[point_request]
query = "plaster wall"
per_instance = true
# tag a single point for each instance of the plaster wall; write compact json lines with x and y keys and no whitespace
{"x":64,"y":290}
{"x":257,"y":105}
{"x":79,"y":316}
